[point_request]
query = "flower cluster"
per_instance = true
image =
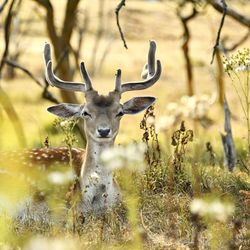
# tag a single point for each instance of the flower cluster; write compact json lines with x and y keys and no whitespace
{"x":214,"y":209}
{"x":66,"y":125}
{"x":191,"y":107}
{"x":131,"y":156}
{"x":40,"y":243}
{"x":238,"y":62}
{"x":59,"y":178}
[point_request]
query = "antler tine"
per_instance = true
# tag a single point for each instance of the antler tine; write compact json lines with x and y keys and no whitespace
{"x":150,"y":75}
{"x":149,"y":68}
{"x":151,"y":58}
{"x":54,"y":80}
{"x":85,"y":77}
{"x":118,"y":80}
{"x":143,"y":84}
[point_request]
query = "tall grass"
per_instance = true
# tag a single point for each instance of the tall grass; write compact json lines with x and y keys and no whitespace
{"x":168,"y":201}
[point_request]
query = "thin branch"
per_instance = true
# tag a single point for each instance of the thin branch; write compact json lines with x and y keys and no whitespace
{"x":4,"y":98}
{"x":236,"y":44}
{"x":217,"y":43}
{"x":81,"y":26}
{"x":26,"y":71}
{"x":230,"y":12}
{"x":46,"y":94}
{"x":7,"y":34}
{"x":3,"y":5}
{"x":69,"y":20}
{"x":117,"y":10}
{"x":51,"y":29}
{"x":185,"y":47}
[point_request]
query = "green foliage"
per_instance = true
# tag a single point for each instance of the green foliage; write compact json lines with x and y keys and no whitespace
{"x":238,"y":69}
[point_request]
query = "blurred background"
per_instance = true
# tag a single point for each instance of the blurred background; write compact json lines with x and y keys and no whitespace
{"x":184,"y":193}
{"x":185,"y":32}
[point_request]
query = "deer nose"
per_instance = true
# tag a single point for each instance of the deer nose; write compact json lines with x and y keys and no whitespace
{"x":103,"y":132}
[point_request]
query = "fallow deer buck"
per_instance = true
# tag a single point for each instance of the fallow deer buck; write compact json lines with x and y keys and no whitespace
{"x":101,"y":115}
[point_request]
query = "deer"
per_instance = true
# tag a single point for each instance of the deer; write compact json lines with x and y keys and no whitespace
{"x":101,"y":115}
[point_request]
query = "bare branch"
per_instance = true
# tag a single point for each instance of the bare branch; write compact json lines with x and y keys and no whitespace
{"x":185,"y":47}
{"x":69,"y":20}
{"x":236,"y":44}
{"x":4,"y":99}
{"x":49,"y":20}
{"x":46,"y":94}
{"x":7,"y":34}
{"x":26,"y":71}
{"x":117,"y":10}
{"x":3,"y":5}
{"x":217,"y":43}
{"x":230,"y":12}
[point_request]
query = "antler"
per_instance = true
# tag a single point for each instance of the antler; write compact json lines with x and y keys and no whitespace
{"x":66,"y":85}
{"x":150,"y":75}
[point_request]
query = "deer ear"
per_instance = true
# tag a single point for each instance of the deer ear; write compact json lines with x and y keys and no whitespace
{"x":138,"y":104}
{"x":66,"y":110}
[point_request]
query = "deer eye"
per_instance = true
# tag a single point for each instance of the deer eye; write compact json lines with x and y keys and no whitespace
{"x":86,"y":114}
{"x":120,"y":114}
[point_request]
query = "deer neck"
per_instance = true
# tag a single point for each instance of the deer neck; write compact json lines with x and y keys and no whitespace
{"x":92,"y":162}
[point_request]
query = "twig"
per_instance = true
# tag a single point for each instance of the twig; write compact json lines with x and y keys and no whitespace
{"x":7,"y":34}
{"x":219,"y":30}
{"x":26,"y":71}
{"x":4,"y":98}
{"x":3,"y":5}
{"x":46,"y":94}
{"x":117,"y":10}
{"x":230,"y":12}
{"x":236,"y":44}
{"x":185,"y":47}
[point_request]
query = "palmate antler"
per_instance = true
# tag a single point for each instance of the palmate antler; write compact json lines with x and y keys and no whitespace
{"x":150,"y":75}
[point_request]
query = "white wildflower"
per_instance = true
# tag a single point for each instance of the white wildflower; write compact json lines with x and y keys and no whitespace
{"x":184,"y":99}
{"x":242,"y":68}
{"x":215,"y":209}
{"x":197,"y":107}
{"x":197,"y":206}
{"x":151,"y":120}
{"x":124,"y":156}
{"x":164,"y":123}
{"x":60,"y":178}
{"x":64,"y":123}
{"x":201,"y":110}
{"x":172,"y":107}
{"x":220,"y":211}
{"x":41,"y":243}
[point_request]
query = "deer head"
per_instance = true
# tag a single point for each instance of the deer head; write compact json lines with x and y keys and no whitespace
{"x":101,"y":113}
